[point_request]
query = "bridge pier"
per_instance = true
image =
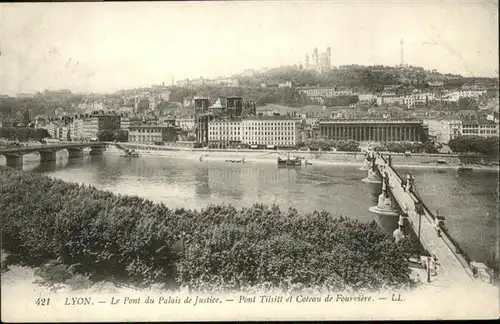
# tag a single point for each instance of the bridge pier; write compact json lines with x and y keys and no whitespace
{"x":75,"y":153}
{"x":96,"y":150}
{"x":384,"y":206}
{"x":373,"y":176}
{"x":47,"y":156}
{"x":46,"y":166}
{"x":366,"y":164}
{"x":14,"y":160}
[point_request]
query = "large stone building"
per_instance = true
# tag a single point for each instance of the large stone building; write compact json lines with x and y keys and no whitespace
{"x":281,"y":131}
{"x":453,"y":128}
{"x":320,"y":62}
{"x":149,"y":134}
{"x":277,"y":131}
{"x":314,"y":92}
{"x":374,"y":130}
{"x":220,"y":108}
{"x":88,"y":126}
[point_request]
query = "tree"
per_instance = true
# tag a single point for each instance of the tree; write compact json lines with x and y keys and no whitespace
{"x":26,"y":117}
{"x":475,"y":144}
{"x":105,"y":136}
{"x":120,"y":135}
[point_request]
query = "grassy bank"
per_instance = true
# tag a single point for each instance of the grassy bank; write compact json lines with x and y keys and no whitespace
{"x":101,"y":235}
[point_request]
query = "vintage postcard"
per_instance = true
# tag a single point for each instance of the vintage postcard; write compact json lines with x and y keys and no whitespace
{"x":249,"y":160}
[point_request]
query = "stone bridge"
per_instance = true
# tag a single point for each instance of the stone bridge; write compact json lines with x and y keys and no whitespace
{"x":399,"y":201}
{"x":14,"y":156}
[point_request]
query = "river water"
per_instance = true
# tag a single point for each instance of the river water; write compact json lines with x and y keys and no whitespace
{"x":467,"y":200}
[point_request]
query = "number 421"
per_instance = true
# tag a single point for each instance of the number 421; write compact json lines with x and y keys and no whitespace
{"x":42,"y":301}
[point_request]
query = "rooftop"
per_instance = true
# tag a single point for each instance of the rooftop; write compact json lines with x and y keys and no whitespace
{"x":370,"y":121}
{"x":272,"y":118}
{"x":152,"y":126}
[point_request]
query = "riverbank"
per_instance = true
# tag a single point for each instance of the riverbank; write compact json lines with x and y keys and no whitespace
{"x":104,"y":235}
{"x":434,"y":161}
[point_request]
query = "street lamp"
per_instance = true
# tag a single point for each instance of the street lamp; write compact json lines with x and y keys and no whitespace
{"x":419,"y":211}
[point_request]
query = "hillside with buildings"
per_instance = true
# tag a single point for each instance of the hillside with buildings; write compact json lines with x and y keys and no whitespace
{"x":283,"y":107}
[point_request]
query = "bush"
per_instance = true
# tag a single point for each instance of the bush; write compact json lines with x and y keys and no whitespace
{"x":103,"y":235}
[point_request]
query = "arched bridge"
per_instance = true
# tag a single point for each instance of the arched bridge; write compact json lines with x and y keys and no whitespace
{"x":14,"y":156}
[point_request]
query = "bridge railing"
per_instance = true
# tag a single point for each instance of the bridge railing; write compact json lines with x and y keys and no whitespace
{"x":445,"y":234}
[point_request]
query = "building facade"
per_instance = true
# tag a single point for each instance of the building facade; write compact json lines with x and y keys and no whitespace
{"x":88,"y":126}
{"x":125,"y":123}
{"x":224,"y":133}
{"x":277,"y":131}
{"x":185,"y":123}
{"x":390,"y":100}
{"x":148,"y":134}
{"x":364,"y":97}
{"x":377,"y":130}
{"x":324,"y":92}
{"x":451,"y":129}
{"x":454,"y":128}
{"x":479,"y":128}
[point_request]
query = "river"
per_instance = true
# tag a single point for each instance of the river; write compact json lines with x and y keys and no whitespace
{"x":467,"y":200}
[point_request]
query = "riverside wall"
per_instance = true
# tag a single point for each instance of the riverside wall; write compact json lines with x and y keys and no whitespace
{"x":400,"y":159}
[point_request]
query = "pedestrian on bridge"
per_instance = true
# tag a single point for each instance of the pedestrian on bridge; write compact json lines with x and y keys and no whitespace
{"x":434,"y":265}
{"x":411,"y":184}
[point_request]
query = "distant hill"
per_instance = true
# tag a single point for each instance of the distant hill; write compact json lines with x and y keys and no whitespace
{"x":360,"y":78}
{"x":175,"y":109}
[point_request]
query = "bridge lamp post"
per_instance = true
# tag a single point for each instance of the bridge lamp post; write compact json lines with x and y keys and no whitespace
{"x":419,"y":223}
{"x":419,"y":211}
{"x":428,"y":269}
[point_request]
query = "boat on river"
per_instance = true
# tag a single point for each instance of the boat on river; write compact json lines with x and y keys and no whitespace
{"x":130,"y":153}
{"x":289,"y":161}
{"x":463,"y":168}
{"x":236,"y":161}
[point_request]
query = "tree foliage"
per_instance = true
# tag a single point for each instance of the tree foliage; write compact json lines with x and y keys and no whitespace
{"x":475,"y":144}
{"x":107,"y":135}
{"x":100,"y":234}
{"x":402,"y":147}
{"x":23,"y":133}
{"x":325,"y":145}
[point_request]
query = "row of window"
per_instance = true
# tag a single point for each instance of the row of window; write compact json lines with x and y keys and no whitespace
{"x":253,"y":123}
{"x":138,"y":138}
{"x":214,"y":133}
{"x":475,"y":131}
{"x":479,"y":126}
{"x":146,"y":131}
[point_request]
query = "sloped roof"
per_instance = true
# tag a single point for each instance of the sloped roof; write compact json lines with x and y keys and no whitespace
{"x":223,"y":101}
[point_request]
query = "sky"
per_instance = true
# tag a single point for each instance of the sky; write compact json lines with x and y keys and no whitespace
{"x":104,"y":47}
